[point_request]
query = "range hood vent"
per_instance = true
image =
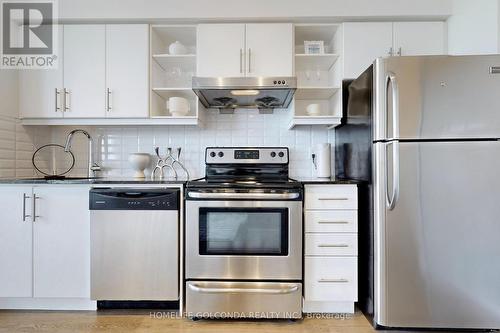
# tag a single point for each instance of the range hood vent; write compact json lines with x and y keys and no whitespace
{"x":229,"y":93}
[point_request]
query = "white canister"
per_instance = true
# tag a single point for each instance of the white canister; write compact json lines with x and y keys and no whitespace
{"x":323,"y":160}
{"x":178,"y":106}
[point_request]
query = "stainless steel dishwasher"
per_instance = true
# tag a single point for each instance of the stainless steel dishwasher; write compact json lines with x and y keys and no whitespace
{"x":134,"y":244}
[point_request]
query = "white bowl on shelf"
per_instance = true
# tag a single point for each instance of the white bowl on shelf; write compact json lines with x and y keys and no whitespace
{"x":139,"y":163}
{"x":313,"y":109}
{"x":178,"y":106}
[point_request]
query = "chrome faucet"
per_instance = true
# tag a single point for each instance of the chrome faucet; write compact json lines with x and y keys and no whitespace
{"x":92,"y":166}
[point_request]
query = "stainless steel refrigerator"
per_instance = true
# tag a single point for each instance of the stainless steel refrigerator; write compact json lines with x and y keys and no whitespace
{"x":422,"y":134}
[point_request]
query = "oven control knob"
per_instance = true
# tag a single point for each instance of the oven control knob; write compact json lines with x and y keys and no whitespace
{"x":221,"y":154}
{"x":212,"y":154}
{"x":273,"y":154}
{"x":281,"y":154}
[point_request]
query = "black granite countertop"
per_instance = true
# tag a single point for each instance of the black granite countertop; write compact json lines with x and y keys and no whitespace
{"x":117,"y":181}
{"x":91,"y":181}
{"x":332,"y":181}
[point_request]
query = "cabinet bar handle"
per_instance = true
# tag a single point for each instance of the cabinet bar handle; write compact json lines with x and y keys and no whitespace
{"x":241,"y":60}
{"x":333,"y":222}
{"x":66,"y":99}
{"x":35,"y":197}
{"x":108,"y":99}
{"x":333,"y":199}
{"x":494,"y":70}
{"x":58,"y":108}
{"x":24,"y":206}
{"x":249,"y":60}
{"x":333,"y":245}
{"x":333,"y":280}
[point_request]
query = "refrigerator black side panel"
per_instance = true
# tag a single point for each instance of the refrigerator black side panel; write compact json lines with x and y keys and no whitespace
{"x":353,"y":139}
{"x":353,"y":160}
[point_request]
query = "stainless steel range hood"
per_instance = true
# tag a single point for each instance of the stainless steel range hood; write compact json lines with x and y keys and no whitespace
{"x":229,"y":93}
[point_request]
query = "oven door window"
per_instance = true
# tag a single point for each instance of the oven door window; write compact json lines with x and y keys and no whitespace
{"x":244,"y":231}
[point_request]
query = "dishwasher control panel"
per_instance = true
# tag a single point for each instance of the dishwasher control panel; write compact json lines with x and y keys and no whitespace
{"x":133,"y":199}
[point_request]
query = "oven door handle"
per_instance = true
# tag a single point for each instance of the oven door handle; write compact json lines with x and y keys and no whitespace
{"x":250,"y":195}
{"x":218,"y":290}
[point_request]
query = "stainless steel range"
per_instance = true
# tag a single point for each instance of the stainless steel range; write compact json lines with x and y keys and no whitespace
{"x":244,"y":236}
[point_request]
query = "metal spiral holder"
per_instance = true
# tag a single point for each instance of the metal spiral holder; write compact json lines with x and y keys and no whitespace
{"x":170,"y":162}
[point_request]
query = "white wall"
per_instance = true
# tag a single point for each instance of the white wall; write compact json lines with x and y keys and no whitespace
{"x":255,"y":9}
{"x":473,"y":27}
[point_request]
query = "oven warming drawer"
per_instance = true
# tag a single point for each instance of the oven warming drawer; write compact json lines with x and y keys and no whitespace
{"x":237,"y":299}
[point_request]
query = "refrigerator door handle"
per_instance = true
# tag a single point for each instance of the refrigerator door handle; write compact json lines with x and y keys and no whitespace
{"x":393,"y":198}
{"x":391,"y":79}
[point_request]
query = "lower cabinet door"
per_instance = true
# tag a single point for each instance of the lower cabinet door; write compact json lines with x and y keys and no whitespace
{"x":61,"y":241}
{"x":332,"y":279}
{"x":15,"y":242}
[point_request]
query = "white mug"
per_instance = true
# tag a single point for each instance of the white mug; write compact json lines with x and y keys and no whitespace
{"x":313,"y":109}
{"x":178,"y":106}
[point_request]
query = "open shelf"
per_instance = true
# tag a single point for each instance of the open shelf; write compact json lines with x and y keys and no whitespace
{"x":315,"y":92}
{"x":323,"y":62}
{"x":166,"y":93}
{"x":324,"y":32}
{"x":319,"y":76}
{"x":328,"y":121}
{"x":183,"y":61}
{"x":171,"y":74}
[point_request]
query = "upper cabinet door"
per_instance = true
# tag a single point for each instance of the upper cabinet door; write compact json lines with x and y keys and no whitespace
{"x":84,"y":71}
{"x":41,"y":90}
{"x":363,"y":43}
{"x":127,"y":53}
{"x":419,"y":38}
{"x":269,"y":49}
{"x":221,"y":50}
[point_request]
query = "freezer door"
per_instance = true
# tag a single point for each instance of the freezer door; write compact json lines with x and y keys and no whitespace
{"x":437,"y":249}
{"x":436,"y":97}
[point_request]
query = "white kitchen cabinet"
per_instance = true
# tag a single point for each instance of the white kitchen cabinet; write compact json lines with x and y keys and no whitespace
{"x":61,"y":242}
{"x":84,"y":70}
{"x":221,"y":50}
{"x":366,"y":41}
{"x":127,"y":54}
{"x":16,"y":242}
{"x":331,"y":248}
{"x":363,"y":43}
{"x":40,"y":91}
{"x":269,"y":49}
{"x":419,"y":38}
{"x":44,"y":242}
{"x":103,"y":73}
{"x":235,"y":50}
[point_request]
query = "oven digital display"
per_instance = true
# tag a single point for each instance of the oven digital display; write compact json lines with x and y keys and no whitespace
{"x":246,"y":154}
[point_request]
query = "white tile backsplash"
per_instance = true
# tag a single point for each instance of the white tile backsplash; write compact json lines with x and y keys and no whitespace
{"x":243,"y":128}
{"x":17,"y":145}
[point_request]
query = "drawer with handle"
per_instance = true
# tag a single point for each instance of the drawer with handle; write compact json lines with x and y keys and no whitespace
{"x":331,"y":245}
{"x":331,"y":220}
{"x":331,"y":197}
{"x":331,"y":279}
